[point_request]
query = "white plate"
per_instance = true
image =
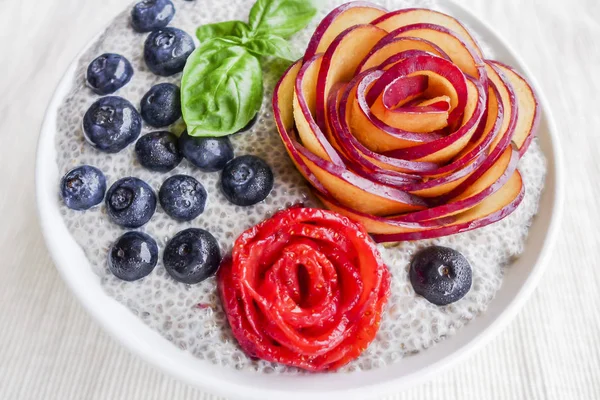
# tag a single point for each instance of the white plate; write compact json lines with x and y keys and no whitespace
{"x":519,"y":281}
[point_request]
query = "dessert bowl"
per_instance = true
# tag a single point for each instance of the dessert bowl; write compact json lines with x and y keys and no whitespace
{"x":518,"y":281}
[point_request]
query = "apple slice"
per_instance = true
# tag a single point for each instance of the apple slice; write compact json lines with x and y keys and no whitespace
{"x":487,"y":184}
{"x":415,"y":119}
{"x":408,"y":16}
{"x":478,"y":147}
{"x":494,"y":208}
{"x":460,"y":52}
{"x":370,"y":131}
{"x":340,"y":61}
{"x":439,"y":103}
{"x":385,"y":170}
{"x":446,"y":148}
{"x":347,"y":187}
{"x":304,"y":109}
{"x":508,"y":99}
{"x":337,"y":21}
{"x":391,"y":46}
{"x":426,"y":118}
{"x":528,"y":105}
{"x":357,"y":192}
{"x":374,"y":164}
{"x":444,"y":78}
{"x":401,"y":91}
{"x":283,"y":112}
{"x":374,"y":134}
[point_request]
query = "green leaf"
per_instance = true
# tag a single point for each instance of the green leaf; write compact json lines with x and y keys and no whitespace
{"x":221,"y":89}
{"x":233,"y":29}
{"x":271,"y":45}
{"x":280,"y":17}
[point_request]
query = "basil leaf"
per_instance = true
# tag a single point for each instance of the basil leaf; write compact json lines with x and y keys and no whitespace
{"x":235,"y":29}
{"x":271,"y":45}
{"x":280,"y":17}
{"x":221,"y":89}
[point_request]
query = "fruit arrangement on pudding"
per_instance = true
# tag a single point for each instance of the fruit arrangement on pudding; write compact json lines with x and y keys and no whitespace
{"x":399,"y":122}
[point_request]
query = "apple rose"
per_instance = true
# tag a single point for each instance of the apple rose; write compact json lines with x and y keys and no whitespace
{"x":305,"y":288}
{"x":398,"y":122}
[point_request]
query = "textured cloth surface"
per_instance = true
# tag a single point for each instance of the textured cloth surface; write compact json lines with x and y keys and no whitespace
{"x":51,"y":349}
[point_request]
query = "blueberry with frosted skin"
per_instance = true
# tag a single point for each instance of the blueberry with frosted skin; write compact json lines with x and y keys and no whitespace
{"x":161,"y":106}
{"x":182,"y":197}
{"x":130,"y":202}
{"x":108,"y":73}
{"x":83,"y":187}
{"x":192,"y":256}
{"x":147,"y":15}
{"x":209,"y":154}
{"x":246,"y":180}
{"x":133,"y":256}
{"x":158,"y":151}
{"x":440,"y":274}
{"x":111,"y":124}
{"x":166,"y":50}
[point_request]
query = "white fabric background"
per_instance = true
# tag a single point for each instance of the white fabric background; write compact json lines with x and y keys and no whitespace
{"x":50,"y":349}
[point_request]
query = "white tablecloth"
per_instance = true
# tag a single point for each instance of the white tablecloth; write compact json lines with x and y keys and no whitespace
{"x":50,"y":348}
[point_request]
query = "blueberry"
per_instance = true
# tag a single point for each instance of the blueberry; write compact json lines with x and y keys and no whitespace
{"x":147,"y":15}
{"x":111,"y":124}
{"x":246,"y":180}
{"x":161,"y":106}
{"x":192,"y":255}
{"x":210,"y":154}
{"x":132,"y":256}
{"x":182,"y":197}
{"x":83,"y":187}
{"x":109,"y":73}
{"x":166,"y":50}
{"x":130,"y":202}
{"x":440,"y":274}
{"x":158,"y":151}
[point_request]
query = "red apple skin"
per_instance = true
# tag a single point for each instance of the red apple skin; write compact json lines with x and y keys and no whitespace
{"x":358,"y":8}
{"x":356,"y":160}
{"x":423,"y":150}
{"x":428,"y":63}
{"x":315,"y":130}
{"x":373,"y":93}
{"x":533,"y":128}
{"x":402,"y":137}
{"x":357,"y":151}
{"x":454,"y":229}
{"x":350,"y":149}
{"x":504,"y":203}
{"x":402,"y":89}
{"x":496,"y":152}
{"x":390,"y":40}
{"x":358,"y":39}
{"x":475,"y":64}
{"x":284,"y":121}
{"x":433,"y":17}
{"x":476,"y":151}
{"x":437,"y":107}
{"x":457,"y":209}
{"x":403,"y":199}
{"x":457,"y":206}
